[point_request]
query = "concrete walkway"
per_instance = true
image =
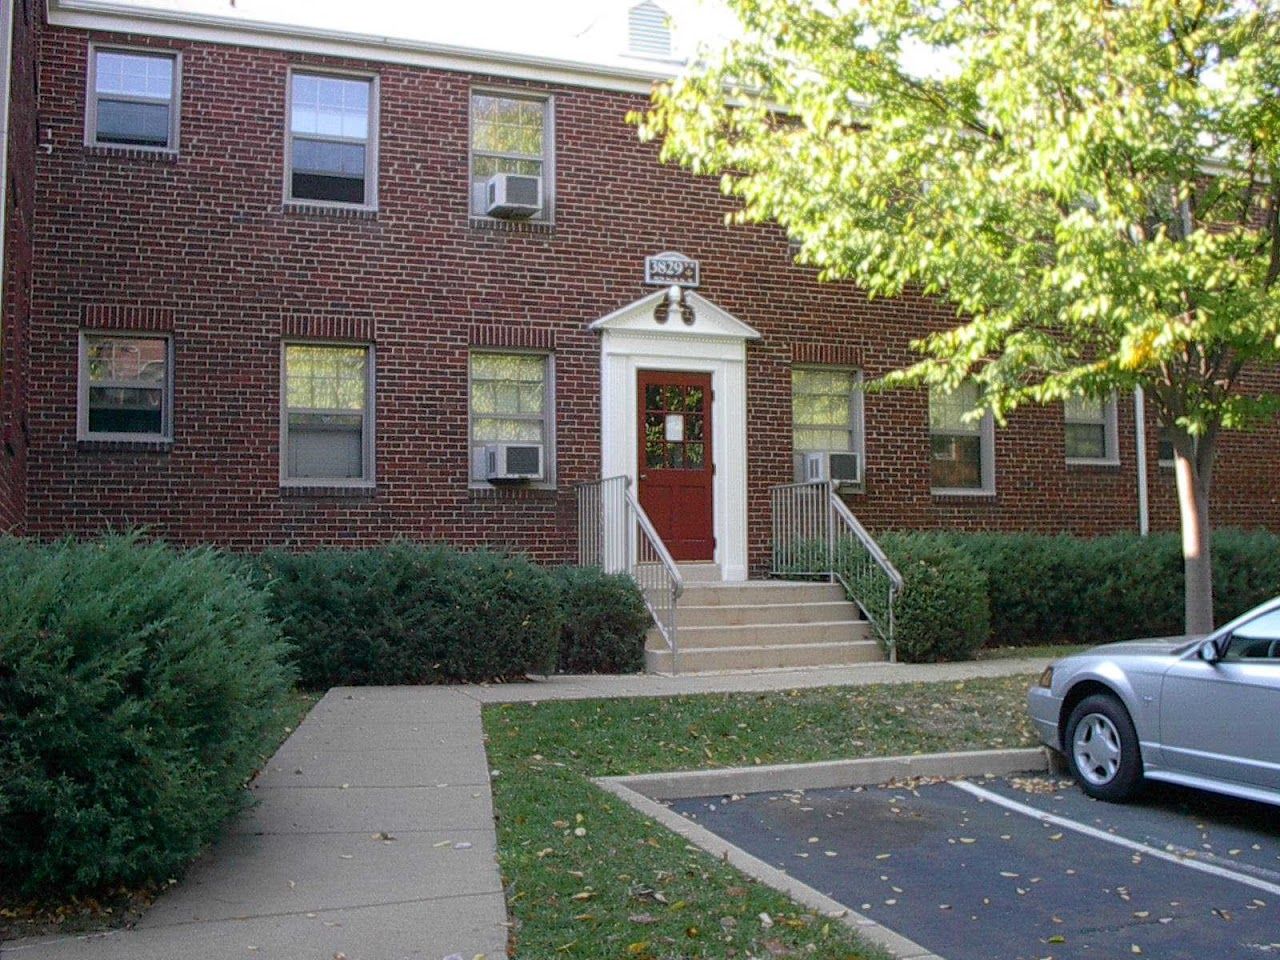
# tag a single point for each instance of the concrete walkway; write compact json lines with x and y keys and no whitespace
{"x":372,"y":837}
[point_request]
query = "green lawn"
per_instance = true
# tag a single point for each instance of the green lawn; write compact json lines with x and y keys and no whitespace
{"x":588,"y":877}
{"x":1046,"y":653}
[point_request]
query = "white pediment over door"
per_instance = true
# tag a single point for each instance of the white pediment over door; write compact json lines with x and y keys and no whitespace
{"x":709,"y":320}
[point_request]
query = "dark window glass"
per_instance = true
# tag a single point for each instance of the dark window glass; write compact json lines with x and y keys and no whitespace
{"x":1086,"y":441}
{"x":142,"y":124}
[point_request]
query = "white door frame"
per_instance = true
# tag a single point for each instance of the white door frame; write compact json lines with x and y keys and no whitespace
{"x":715,"y":343}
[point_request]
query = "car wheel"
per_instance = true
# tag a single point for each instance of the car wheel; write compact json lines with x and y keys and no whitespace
{"x":1102,"y":748}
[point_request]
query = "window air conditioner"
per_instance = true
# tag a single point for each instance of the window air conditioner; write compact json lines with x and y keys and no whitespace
{"x":840,"y":467}
{"x":512,"y":195}
{"x":512,"y":462}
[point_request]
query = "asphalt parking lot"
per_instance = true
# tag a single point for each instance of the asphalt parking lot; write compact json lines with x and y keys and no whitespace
{"x":1006,"y":869}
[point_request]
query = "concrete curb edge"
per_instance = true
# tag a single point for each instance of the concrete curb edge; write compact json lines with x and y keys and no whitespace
{"x":643,"y":792}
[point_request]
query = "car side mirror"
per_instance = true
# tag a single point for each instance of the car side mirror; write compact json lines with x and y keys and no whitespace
{"x":1209,"y":652}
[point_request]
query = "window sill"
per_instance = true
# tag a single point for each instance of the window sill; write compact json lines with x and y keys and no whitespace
{"x":338,"y":211}
{"x":123,"y":151}
{"x":1083,"y":462}
{"x":486,"y":491}
{"x":104,"y":445}
{"x":962,"y":493}
{"x":498,"y":225}
{"x":327,"y":492}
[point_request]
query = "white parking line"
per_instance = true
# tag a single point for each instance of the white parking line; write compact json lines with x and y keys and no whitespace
{"x":1095,"y":833}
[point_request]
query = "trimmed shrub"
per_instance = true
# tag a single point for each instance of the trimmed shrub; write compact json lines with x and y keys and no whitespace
{"x":605,"y":621}
{"x":413,"y":614}
{"x":137,"y":688}
{"x":942,"y":612}
{"x":1062,"y":589}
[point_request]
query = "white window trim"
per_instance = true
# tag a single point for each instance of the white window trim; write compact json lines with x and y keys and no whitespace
{"x":82,"y":389}
{"x":857,"y":417}
{"x":548,"y":481}
{"x":1110,"y":434}
{"x":371,"y":152}
{"x":548,"y":215}
{"x":91,"y":99}
{"x":987,"y":456}
{"x":369,"y":445}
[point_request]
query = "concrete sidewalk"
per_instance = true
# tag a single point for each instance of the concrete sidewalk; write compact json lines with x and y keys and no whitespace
{"x":372,"y":837}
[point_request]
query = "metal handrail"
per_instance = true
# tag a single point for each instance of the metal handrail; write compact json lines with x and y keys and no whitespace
{"x":615,"y":534}
{"x":815,"y":534}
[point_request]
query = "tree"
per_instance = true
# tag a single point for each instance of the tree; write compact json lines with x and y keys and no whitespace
{"x":1093,"y":184}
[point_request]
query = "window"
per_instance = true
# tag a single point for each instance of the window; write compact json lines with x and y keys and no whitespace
{"x":1259,"y":639}
{"x":1091,"y":430}
{"x":510,"y":135}
{"x":126,"y":387}
{"x":962,"y":451}
{"x":132,"y":99}
{"x":328,"y":423}
{"x":826,"y":412}
{"x":1164,"y":447}
{"x":510,"y":403}
{"x":332,"y":140}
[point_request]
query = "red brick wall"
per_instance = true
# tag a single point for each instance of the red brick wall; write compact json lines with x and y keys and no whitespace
{"x":201,"y":246}
{"x":19,"y":200}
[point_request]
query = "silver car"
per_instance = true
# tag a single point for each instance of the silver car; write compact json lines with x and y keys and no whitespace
{"x":1199,"y":711}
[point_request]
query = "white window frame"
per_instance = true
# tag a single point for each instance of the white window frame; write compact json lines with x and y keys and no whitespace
{"x":82,"y":388}
{"x":368,"y":480}
{"x":371,"y":151}
{"x":91,"y":98}
{"x":548,"y":158}
{"x":1110,"y":435}
{"x":548,"y":481}
{"x":857,"y":419}
{"x":986,"y":455}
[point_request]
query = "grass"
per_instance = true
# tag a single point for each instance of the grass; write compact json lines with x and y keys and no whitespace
{"x":121,"y":907}
{"x":588,"y":877}
{"x":1044,"y":652}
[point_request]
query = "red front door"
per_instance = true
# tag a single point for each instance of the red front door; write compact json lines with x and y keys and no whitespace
{"x":675,"y":460}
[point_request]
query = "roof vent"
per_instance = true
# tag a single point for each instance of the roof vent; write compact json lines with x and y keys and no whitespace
{"x":648,"y":31}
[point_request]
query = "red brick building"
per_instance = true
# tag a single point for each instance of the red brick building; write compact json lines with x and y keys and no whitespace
{"x":298,"y":287}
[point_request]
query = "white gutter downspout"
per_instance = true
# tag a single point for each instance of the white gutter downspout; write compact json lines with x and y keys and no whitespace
{"x":1140,"y":451}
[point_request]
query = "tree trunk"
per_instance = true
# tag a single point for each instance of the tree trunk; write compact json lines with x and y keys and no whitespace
{"x":1193,"y":469}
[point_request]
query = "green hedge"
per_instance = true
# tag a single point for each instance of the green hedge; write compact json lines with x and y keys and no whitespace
{"x":942,"y":612}
{"x":1061,"y":589}
{"x":605,"y":621}
{"x":413,"y":614}
{"x":137,"y":686}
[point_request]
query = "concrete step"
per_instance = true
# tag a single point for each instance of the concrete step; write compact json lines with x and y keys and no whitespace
{"x":762,"y":635}
{"x":779,"y":657}
{"x":700,"y":572}
{"x":754,"y":592}
{"x":726,"y":615}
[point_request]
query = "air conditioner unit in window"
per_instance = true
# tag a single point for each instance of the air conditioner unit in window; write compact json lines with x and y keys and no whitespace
{"x":512,"y":195}
{"x":512,"y":462}
{"x":839,"y":467}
